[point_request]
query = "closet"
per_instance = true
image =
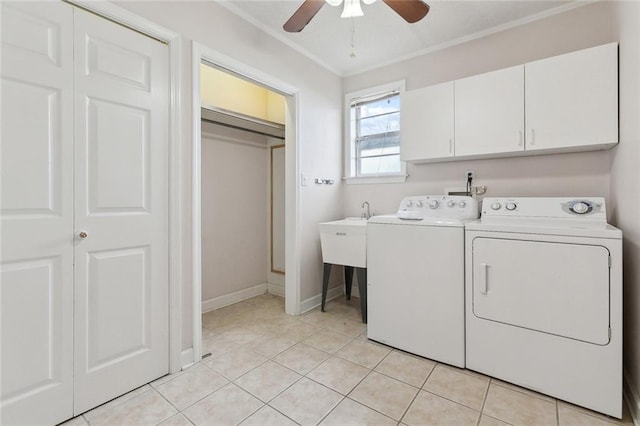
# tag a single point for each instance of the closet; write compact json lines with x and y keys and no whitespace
{"x":242,"y":193}
{"x":84,"y":211}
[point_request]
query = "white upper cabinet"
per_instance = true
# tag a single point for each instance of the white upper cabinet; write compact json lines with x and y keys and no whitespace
{"x":426,"y":123}
{"x":568,"y":103}
{"x":572,"y":100}
{"x":489,"y":113}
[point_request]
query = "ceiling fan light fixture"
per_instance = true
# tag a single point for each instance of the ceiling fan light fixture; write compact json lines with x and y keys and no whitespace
{"x":409,"y":10}
{"x":351,"y":9}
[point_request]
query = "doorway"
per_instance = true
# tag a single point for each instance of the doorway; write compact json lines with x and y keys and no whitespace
{"x":242,"y":151}
{"x":288,"y":256}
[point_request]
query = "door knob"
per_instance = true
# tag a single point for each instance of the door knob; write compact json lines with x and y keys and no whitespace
{"x":83,"y":235}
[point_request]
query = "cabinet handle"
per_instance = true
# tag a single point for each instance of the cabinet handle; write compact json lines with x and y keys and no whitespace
{"x":450,"y":146}
{"x":520,"y":138}
{"x":533,"y":137}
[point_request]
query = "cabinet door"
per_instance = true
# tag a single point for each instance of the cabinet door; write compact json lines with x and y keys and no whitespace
{"x":36,"y":278}
{"x":426,"y":123}
{"x":572,"y":99}
{"x":490,"y":112}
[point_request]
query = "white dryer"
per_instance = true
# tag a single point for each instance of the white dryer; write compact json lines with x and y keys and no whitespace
{"x":544,"y":298}
{"x":415,"y":276}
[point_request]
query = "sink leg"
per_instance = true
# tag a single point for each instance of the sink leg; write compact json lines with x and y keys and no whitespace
{"x":362,"y":288}
{"x":325,"y":283}
{"x":348,"y":280}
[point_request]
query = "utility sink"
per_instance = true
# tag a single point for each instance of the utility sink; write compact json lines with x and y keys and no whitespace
{"x":344,"y":242}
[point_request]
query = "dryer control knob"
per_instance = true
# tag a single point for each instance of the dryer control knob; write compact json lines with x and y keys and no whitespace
{"x":409,"y":203}
{"x":580,"y":207}
{"x":510,"y":206}
{"x":451,"y":204}
{"x":496,"y":206}
{"x":462,"y":204}
{"x":419,"y":204}
{"x":434,"y":204}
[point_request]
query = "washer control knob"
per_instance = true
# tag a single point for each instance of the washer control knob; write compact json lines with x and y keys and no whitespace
{"x":496,"y":206}
{"x":510,"y":206}
{"x":580,"y":207}
{"x":420,"y":204}
{"x":462,"y":204}
{"x":434,"y":204}
{"x":409,"y":203}
{"x":451,"y":203}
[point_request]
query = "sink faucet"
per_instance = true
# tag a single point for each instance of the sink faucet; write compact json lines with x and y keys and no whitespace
{"x":366,"y":214}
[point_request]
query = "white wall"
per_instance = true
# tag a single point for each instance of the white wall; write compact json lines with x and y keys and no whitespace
{"x":234,"y":207}
{"x":625,"y":180}
{"x":319,"y":132}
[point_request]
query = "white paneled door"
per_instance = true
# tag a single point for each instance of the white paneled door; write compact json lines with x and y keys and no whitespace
{"x":36,"y":196}
{"x":84,"y":290}
{"x":121,"y":197}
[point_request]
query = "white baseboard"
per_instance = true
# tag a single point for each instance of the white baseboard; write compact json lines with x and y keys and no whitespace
{"x":315,"y":301}
{"x":632,"y":398}
{"x":186,"y":359}
{"x":231,"y":298}
{"x":275,"y":289}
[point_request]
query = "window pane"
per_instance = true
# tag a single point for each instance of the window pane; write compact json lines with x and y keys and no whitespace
{"x":382,"y":141}
{"x":380,"y":107}
{"x":375,"y":134}
{"x":375,"y":165}
{"x":380,"y":124}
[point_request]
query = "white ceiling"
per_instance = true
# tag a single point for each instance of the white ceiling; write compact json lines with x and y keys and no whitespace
{"x":381,"y":36}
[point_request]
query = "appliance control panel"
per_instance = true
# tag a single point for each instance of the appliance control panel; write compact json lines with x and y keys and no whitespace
{"x":439,"y":206}
{"x":591,"y":208}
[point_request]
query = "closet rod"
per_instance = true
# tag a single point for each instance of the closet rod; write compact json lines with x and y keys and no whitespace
{"x":242,"y":122}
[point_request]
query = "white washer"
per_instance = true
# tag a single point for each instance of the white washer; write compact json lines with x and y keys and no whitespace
{"x":544,"y":298}
{"x":415,"y":276}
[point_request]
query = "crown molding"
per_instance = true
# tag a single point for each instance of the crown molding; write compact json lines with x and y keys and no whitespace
{"x":278,"y":35}
{"x":477,"y":35}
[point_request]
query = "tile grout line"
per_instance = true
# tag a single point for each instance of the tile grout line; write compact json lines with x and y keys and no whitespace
{"x":406,"y":410}
{"x":484,"y":401}
{"x":274,"y":408}
{"x":169,"y":402}
{"x":371,"y":408}
{"x":332,"y":409}
{"x":451,"y":400}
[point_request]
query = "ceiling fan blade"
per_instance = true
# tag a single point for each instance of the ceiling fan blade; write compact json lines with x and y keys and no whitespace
{"x":303,"y":16}
{"x":410,"y":10}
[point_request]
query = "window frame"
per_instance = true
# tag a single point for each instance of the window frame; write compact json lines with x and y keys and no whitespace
{"x":351,"y":171}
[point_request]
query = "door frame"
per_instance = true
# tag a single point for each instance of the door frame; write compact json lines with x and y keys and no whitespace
{"x":173,"y":40}
{"x":201,"y":53}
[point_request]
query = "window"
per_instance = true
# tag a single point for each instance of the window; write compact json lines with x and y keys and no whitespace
{"x":373,"y":135}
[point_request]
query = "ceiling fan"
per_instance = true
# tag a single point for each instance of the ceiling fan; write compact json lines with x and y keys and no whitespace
{"x":410,"y":10}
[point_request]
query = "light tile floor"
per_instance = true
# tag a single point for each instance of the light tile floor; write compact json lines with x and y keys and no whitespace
{"x":268,"y":368}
